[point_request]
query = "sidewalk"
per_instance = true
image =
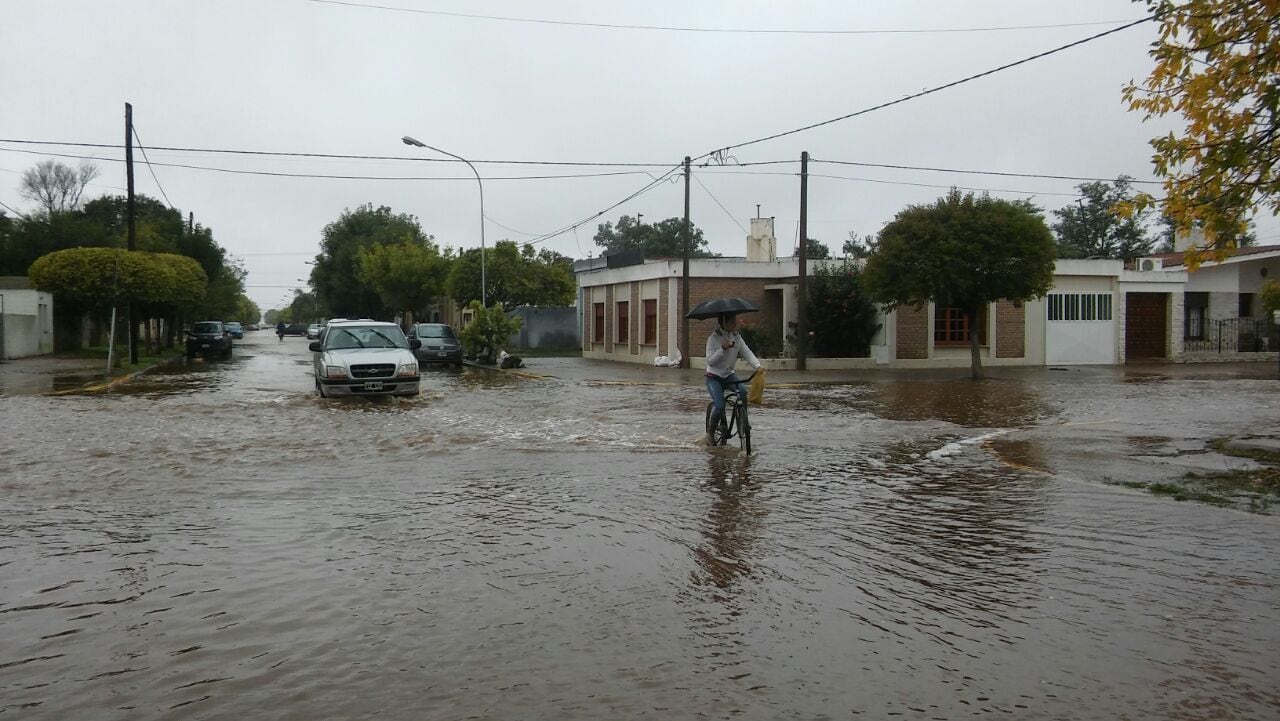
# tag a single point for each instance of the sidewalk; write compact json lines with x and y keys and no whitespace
{"x":47,"y":374}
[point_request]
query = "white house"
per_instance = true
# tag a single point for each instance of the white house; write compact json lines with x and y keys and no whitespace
{"x":26,"y":319}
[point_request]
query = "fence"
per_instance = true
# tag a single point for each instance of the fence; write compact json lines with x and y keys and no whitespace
{"x":1235,"y":335}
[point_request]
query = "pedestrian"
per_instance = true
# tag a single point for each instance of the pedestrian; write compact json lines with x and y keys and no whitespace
{"x":280,"y":330}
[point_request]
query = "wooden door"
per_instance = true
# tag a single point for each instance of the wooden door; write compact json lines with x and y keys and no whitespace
{"x":1145,"y":331}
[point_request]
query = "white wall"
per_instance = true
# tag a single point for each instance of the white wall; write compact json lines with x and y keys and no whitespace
{"x":28,"y":323}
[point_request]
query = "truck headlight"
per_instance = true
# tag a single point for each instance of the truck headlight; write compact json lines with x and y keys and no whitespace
{"x":408,"y":369}
{"x":335,"y":372}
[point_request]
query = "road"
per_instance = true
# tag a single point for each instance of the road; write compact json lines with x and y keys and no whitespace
{"x":216,"y":542}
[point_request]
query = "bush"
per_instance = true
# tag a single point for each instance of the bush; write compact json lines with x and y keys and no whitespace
{"x":488,"y":330}
{"x":761,"y":342}
{"x":842,"y":317}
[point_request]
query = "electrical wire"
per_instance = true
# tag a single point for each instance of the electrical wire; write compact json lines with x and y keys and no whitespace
{"x":717,"y":201}
{"x":979,"y":172}
{"x":896,"y":182}
{"x":147,"y":160}
{"x":11,"y":210}
{"x":650,"y":186}
{"x":341,"y":156}
{"x":929,"y":91}
{"x":692,"y":29}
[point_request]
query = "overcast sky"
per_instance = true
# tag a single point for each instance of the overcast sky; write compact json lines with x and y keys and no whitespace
{"x":311,"y":77}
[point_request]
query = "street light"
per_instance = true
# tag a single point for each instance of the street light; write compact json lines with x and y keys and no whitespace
{"x":484,"y":298}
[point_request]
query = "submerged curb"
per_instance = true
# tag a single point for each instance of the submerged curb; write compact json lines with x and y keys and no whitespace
{"x":99,"y":387}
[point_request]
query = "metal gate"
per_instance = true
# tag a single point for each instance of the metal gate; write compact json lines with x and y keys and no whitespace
{"x":1236,"y":335}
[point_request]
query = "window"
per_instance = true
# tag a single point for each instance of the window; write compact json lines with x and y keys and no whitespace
{"x":1079,"y":307}
{"x":651,"y":322}
{"x":1195,"y":304}
{"x":1246,"y":305}
{"x":624,"y":321}
{"x":951,"y":327}
{"x":597,"y":326}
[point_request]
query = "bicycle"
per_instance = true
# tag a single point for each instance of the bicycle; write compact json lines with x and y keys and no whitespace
{"x":735,"y":422}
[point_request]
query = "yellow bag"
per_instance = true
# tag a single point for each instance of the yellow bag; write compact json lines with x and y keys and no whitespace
{"x":755,"y":393}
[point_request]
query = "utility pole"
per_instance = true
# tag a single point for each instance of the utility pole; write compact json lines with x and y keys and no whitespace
{"x":684,"y":280}
{"x":129,"y":214}
{"x":802,"y":333}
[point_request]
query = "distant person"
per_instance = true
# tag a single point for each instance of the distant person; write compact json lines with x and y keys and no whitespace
{"x":280,"y":330}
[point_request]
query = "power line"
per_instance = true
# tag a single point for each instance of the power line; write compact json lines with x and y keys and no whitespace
{"x":650,"y":186}
{"x":979,"y":172}
{"x":693,"y":29}
{"x":340,"y":156}
{"x":894,"y":182}
{"x":717,"y":201}
{"x":330,"y":176}
{"x":11,"y":210}
{"x":147,"y":160}
{"x":929,"y":91}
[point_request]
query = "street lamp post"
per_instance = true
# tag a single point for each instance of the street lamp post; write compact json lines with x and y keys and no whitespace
{"x":484,"y":297}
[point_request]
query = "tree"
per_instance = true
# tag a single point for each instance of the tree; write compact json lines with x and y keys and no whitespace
{"x":1217,"y":65}
{"x":97,"y":278}
{"x":656,"y":240}
{"x":859,"y":246}
{"x":515,"y":275}
{"x":816,"y":250}
{"x":56,"y":187}
{"x":272,"y":316}
{"x":487,"y":332}
{"x":1091,"y":229}
{"x":962,"y":251}
{"x":335,"y":275}
{"x":407,"y":276}
{"x":840,"y":311}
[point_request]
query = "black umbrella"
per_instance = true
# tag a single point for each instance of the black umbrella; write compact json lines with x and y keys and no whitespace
{"x":716,"y":306}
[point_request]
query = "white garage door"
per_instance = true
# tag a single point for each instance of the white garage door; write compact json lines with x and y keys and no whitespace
{"x":1080,"y":329}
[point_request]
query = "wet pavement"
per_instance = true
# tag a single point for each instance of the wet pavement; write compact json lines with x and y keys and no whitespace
{"x":213,"y":541}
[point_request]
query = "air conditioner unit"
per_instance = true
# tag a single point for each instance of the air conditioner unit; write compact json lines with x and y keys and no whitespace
{"x":1150,"y":263}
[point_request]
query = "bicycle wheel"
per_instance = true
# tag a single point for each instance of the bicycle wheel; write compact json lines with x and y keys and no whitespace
{"x":720,"y":434}
{"x":744,"y":429}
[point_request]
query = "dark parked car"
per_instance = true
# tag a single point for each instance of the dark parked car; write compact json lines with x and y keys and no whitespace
{"x":439,"y":343}
{"x":207,"y":338}
{"x":296,"y":329}
{"x":235,"y":329}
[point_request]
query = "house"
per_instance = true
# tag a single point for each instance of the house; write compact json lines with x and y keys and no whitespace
{"x":1224,"y":319}
{"x":26,"y":319}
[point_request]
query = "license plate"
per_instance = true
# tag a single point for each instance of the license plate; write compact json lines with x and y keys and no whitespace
{"x":204,"y":345}
{"x":442,"y":353}
{"x":373,"y":385}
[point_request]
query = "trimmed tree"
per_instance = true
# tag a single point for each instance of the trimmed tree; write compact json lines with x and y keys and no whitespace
{"x":840,"y":311}
{"x":407,"y":276}
{"x":962,"y":251}
{"x":487,"y":332}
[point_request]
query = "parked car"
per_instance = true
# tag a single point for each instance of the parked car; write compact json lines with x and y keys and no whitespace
{"x":251,"y":326}
{"x":295,"y":329}
{"x":234,"y":328}
{"x":366,"y":358}
{"x":208,"y":338}
{"x":439,"y":343}
{"x":313,"y":331}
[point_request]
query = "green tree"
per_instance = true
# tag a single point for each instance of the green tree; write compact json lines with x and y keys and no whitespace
{"x":487,"y":332}
{"x":335,"y":275}
{"x":1217,"y":65}
{"x":516,"y":276}
{"x":816,"y":250}
{"x":272,"y":316}
{"x":1269,"y":294}
{"x":306,"y":307}
{"x":96,"y":278}
{"x":1090,"y":228}
{"x":859,"y":246}
{"x":840,"y":311}
{"x":657,"y":240}
{"x":407,"y":276}
{"x":962,"y":251}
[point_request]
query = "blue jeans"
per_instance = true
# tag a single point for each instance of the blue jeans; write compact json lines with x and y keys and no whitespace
{"x":716,"y":386}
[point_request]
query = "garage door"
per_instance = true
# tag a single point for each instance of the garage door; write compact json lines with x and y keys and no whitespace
{"x":1145,"y":332}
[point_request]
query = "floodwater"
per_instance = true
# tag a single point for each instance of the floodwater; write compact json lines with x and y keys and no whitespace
{"x":218,"y":543}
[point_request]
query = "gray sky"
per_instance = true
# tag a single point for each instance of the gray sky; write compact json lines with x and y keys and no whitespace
{"x":299,"y":76}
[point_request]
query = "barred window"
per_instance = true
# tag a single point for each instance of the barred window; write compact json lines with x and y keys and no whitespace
{"x":1079,"y":307}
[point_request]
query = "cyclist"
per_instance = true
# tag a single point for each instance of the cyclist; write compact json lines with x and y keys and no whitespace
{"x":280,"y":330}
{"x":724,"y":346}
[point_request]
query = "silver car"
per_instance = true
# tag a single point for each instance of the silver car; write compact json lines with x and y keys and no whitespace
{"x":365,"y":358}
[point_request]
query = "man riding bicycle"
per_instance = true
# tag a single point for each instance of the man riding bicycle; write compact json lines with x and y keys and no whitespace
{"x":724,"y":346}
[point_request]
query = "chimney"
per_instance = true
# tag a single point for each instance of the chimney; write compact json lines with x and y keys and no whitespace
{"x":761,"y":245}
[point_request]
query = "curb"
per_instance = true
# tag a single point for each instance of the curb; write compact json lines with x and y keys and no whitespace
{"x":108,"y":385}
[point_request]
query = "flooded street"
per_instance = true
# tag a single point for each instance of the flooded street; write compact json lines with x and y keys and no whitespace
{"x":216,"y":542}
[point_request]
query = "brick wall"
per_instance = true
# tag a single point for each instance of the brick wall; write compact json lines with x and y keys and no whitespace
{"x":1010,"y":330}
{"x":752,"y":289}
{"x":664,"y":297}
{"x":913,"y":332}
{"x":610,"y":319}
{"x":635,"y":311}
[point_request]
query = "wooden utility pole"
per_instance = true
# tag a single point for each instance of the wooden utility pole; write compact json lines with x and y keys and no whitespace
{"x":684,"y":280}
{"x":130,"y":220}
{"x":802,"y":331}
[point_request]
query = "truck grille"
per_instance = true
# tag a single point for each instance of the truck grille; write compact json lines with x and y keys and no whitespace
{"x":373,"y":370}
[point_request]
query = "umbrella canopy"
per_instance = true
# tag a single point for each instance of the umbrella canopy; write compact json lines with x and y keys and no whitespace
{"x":716,"y":306}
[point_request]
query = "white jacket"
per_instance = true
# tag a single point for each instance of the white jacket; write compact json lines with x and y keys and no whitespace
{"x":720,"y":361}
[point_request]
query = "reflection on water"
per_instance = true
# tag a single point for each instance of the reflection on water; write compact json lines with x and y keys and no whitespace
{"x":223,"y":544}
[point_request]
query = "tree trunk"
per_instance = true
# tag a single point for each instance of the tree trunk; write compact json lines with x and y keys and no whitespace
{"x":974,"y":349}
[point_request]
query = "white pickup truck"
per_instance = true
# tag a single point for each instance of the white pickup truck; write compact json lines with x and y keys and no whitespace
{"x":365,"y":358}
